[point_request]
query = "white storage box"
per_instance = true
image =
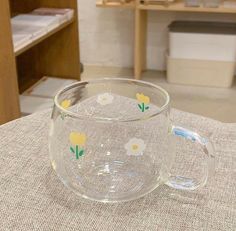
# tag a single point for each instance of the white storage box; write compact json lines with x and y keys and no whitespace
{"x":200,"y":72}
{"x":202,"y":53}
{"x":202,"y":40}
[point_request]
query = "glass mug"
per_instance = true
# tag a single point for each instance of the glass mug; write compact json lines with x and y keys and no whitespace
{"x":109,"y":140}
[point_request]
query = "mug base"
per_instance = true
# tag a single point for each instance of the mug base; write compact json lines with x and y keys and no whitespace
{"x":116,"y":181}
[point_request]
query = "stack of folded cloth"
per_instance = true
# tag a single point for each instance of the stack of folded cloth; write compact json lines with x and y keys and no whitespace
{"x":28,"y":27}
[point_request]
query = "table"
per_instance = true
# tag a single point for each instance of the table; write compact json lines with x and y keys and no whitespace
{"x":33,"y":198}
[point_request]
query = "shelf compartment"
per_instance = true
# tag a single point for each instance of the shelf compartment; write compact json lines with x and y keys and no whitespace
{"x":48,"y":87}
{"x":180,"y":6}
{"x":129,"y":5}
{"x":40,"y":39}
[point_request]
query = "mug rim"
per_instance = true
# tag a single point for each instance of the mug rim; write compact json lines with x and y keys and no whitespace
{"x":163,"y":108}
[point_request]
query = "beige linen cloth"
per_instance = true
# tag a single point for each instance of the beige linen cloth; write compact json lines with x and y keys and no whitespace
{"x":33,"y":198}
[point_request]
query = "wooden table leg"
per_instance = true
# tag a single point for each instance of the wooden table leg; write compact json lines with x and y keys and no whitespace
{"x":9,"y":97}
{"x":140,"y":42}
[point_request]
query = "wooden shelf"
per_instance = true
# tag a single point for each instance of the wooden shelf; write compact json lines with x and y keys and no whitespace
{"x":179,"y":6}
{"x":26,"y":83}
{"x":130,"y":5}
{"x":55,"y":54}
{"x":9,"y":101}
{"x":37,"y":41}
{"x":141,"y":9}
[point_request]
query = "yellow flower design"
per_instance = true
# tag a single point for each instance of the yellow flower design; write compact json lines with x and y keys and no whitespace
{"x":78,"y":138}
{"x":142,"y":98}
{"x":143,"y":101}
{"x":78,"y":141}
{"x":65,"y":103}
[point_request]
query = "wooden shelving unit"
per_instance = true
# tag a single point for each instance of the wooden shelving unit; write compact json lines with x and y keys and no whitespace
{"x":9,"y":103}
{"x":141,"y":9}
{"x":55,"y":54}
{"x":178,"y":5}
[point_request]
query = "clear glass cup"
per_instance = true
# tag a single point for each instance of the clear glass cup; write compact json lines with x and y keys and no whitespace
{"x":110,"y":140}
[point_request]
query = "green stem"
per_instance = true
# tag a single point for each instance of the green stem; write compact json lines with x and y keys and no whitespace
{"x":77,"y":152}
{"x":63,"y":115}
{"x":72,"y":150}
{"x":143,"y":107}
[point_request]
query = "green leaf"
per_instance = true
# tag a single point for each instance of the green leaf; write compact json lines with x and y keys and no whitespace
{"x":140,"y":107}
{"x":81,"y":153}
{"x":147,"y":107}
{"x":72,"y":150}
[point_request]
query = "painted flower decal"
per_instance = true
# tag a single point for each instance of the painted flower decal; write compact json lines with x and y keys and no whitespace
{"x":105,"y":99}
{"x":143,"y":102}
{"x":65,"y":104}
{"x":77,"y":141}
{"x":135,"y":147}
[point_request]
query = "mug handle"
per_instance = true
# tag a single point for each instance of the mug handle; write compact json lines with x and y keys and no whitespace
{"x":184,"y":183}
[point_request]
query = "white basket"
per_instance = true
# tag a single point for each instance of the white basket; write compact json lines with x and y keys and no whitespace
{"x":200,"y":72}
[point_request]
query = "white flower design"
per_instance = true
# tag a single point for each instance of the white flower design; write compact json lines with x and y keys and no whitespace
{"x":105,"y":99}
{"x":135,"y":147}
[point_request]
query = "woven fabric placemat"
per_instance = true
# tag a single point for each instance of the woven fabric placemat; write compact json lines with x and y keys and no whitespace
{"x":33,"y":198}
